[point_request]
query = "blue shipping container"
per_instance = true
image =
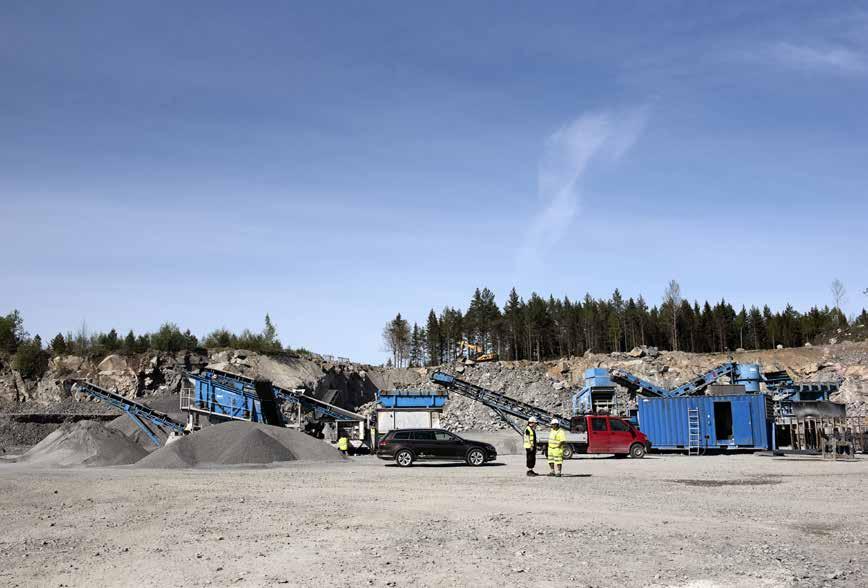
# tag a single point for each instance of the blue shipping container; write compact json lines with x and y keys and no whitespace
{"x":741,"y":421}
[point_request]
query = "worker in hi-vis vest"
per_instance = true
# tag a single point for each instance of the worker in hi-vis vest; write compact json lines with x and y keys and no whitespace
{"x":530,"y":445}
{"x":343,"y":444}
{"x":557,"y":439}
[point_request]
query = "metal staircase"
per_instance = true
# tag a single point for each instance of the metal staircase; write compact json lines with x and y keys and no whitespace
{"x":138,"y":413}
{"x":502,"y":404}
{"x":694,"y":433}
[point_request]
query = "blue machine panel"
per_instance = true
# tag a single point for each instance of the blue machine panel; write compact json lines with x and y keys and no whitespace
{"x":749,"y":375}
{"x":413,"y":399}
{"x":741,"y":421}
{"x":597,"y":377}
{"x":226,"y":397}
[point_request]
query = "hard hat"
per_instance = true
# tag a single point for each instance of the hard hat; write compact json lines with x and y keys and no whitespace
{"x":555,"y":422}
{"x":532,"y":420}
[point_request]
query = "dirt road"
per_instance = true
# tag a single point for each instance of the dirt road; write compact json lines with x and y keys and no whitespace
{"x":669,"y":521}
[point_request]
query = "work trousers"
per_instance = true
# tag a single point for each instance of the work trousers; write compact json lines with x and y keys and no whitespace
{"x":531,"y":457}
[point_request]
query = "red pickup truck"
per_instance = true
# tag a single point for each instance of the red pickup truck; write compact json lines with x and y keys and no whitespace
{"x":602,"y":434}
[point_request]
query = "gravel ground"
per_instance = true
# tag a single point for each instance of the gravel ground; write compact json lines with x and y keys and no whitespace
{"x":741,"y":520}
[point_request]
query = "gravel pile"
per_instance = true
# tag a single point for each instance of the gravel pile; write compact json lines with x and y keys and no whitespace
{"x":239,"y":442}
{"x":84,"y":443}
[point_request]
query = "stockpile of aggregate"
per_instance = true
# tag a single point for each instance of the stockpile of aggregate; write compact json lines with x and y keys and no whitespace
{"x":84,"y":443}
{"x":239,"y":442}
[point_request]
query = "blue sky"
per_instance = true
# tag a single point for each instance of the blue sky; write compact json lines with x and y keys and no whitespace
{"x":335,"y":163}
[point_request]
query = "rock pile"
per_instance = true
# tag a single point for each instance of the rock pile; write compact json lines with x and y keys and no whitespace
{"x":239,"y":442}
{"x":84,"y":443}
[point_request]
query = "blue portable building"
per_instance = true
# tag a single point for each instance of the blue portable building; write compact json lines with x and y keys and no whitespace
{"x":742,"y":421}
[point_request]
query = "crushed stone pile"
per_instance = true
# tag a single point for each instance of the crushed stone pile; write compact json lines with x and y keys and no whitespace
{"x":239,"y":442}
{"x":84,"y":443}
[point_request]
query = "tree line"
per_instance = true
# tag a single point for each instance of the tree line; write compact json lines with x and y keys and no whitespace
{"x":550,"y":328}
{"x":30,"y":356}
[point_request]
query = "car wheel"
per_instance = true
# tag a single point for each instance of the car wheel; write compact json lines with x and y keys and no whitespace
{"x":637,"y":451}
{"x":568,"y":451}
{"x":404,"y":458}
{"x":475,"y":457}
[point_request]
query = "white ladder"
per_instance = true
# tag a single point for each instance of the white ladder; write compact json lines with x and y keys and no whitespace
{"x":693,"y":432}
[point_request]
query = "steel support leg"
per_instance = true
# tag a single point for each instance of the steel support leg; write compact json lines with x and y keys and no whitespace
{"x":508,"y":421}
{"x":144,"y":428}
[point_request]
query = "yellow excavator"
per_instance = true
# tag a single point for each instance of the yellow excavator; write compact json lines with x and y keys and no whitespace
{"x":475,"y":352}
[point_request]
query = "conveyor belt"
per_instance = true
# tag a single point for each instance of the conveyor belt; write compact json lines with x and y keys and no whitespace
{"x":137,"y":412}
{"x":500,"y":403}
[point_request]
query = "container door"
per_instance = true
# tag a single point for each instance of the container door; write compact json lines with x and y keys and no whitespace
{"x":742,"y":426}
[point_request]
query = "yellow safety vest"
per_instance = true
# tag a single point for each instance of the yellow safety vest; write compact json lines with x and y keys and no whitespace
{"x":529,"y":438}
{"x":343,"y":443}
{"x":556,"y":443}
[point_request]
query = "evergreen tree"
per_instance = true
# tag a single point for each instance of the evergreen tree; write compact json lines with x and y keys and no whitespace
{"x":513,"y":317}
{"x":434,"y":338}
{"x":129,"y":345}
{"x":58,"y":345}
{"x":417,"y":346}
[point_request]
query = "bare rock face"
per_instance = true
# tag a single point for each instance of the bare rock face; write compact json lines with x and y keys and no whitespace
{"x":115,"y":374}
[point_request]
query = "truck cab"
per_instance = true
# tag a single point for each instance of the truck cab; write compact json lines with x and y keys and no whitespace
{"x":597,"y":433}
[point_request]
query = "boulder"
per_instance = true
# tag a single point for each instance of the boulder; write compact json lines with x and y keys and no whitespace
{"x":66,"y":364}
{"x":113,"y":363}
{"x":637,"y":352}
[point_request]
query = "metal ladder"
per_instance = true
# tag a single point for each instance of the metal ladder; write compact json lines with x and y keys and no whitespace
{"x":693,"y":431}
